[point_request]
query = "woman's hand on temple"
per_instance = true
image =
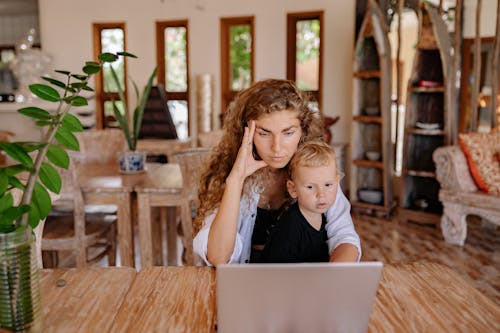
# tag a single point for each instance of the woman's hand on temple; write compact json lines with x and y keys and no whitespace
{"x":245,"y":163}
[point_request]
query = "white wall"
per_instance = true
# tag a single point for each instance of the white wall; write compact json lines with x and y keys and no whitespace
{"x":68,"y":38}
{"x":488,"y":18}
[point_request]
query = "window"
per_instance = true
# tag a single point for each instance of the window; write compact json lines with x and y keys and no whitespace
{"x":173,"y":72}
{"x":304,"y":52}
{"x":7,"y":54}
{"x":109,"y":37}
{"x":237,"y":63}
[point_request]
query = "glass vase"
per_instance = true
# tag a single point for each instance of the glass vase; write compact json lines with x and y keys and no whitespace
{"x":20,"y":308}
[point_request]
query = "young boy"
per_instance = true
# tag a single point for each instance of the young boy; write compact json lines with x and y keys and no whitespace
{"x":300,"y":234}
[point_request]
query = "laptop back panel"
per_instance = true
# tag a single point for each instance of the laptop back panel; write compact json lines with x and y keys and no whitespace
{"x":312,"y":297}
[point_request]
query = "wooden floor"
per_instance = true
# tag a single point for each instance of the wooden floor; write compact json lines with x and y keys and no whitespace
{"x":478,"y":261}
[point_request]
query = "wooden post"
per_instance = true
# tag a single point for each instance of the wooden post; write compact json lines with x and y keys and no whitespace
{"x":495,"y":73}
{"x":477,"y":70}
{"x":457,"y":55}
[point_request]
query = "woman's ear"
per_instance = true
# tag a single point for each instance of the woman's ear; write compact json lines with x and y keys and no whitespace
{"x":290,"y":186}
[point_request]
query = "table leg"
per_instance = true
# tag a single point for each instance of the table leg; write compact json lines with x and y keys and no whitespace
{"x":144,"y":226}
{"x":124,"y":224}
{"x":172,"y":236}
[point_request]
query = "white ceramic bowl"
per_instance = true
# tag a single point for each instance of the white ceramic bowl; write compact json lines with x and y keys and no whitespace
{"x":371,"y":196}
{"x":373,"y":155}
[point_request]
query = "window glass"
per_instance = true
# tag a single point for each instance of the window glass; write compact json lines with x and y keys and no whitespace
{"x":240,"y":53}
{"x":307,"y":54}
{"x":179,"y":112}
{"x":175,"y":59}
{"x":112,"y":41}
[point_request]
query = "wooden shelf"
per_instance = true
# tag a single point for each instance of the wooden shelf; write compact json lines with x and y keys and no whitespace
{"x":421,"y":131}
{"x":419,"y":173}
{"x":369,"y":164}
{"x":426,"y":105}
{"x":372,"y":95}
{"x":368,"y":119}
{"x":367,"y":74}
{"x":426,"y":89}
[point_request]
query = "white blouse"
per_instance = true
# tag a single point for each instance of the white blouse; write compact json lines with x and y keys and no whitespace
{"x":339,"y":228}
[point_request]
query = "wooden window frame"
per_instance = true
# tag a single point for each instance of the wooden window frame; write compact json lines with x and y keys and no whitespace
{"x":291,"y":47}
{"x":100,"y":95}
{"x":160,"y":60}
{"x":227,"y":94}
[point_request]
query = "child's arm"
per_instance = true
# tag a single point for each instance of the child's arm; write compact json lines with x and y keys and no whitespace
{"x":344,"y":253}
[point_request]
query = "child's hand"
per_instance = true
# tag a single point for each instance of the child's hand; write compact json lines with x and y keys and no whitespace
{"x":245,"y":163}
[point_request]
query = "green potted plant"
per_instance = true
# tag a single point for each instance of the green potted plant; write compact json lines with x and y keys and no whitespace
{"x":33,"y":175}
{"x":131,"y":161}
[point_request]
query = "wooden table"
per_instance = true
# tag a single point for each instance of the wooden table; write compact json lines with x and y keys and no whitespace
{"x":418,"y":297}
{"x":105,"y":185}
{"x":89,"y":300}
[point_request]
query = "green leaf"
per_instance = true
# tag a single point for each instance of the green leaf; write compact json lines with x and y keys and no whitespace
{"x":4,"y":181}
{"x":123,"y":124}
{"x":42,"y":123}
{"x":16,"y":183}
{"x":139,"y":114}
{"x":50,"y":177}
{"x":72,"y":123}
{"x":35,"y":113}
{"x":67,"y":139}
{"x":87,"y":88}
{"x":12,"y":170}
{"x":54,"y":82}
{"x":126,"y":54}
{"x":92,"y":63}
{"x":6,"y":201}
{"x":31,"y":146}
{"x":34,"y":216}
{"x":13,"y":213}
{"x":107,"y":57}
{"x":16,"y":152}
{"x":45,"y":92}
{"x":41,"y":199}
{"x":79,"y":77}
{"x":58,"y":156}
{"x":79,"y":101}
{"x":62,"y":72}
{"x":91,"y":69}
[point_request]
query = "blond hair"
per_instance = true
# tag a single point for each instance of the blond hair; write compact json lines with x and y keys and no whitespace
{"x":262,"y":98}
{"x":311,"y":154}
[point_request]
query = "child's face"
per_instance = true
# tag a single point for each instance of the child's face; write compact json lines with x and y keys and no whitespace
{"x":314,"y":187}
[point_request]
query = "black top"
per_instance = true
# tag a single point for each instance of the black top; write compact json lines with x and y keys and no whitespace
{"x":293,"y":239}
{"x":264,"y":223}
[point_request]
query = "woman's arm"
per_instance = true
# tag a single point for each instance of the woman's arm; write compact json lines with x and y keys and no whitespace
{"x":343,"y":241}
{"x":222,"y":234}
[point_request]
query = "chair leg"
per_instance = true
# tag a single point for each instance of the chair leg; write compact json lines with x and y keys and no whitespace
{"x":112,"y":250}
{"x":187,"y":227}
{"x":171,"y":236}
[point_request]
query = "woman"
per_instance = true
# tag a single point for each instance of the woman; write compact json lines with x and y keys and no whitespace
{"x":244,"y":184}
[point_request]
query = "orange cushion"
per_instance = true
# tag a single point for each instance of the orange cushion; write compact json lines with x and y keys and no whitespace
{"x":481,"y":151}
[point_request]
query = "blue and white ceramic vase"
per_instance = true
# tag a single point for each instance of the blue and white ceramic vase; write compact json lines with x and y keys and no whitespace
{"x":132,"y":161}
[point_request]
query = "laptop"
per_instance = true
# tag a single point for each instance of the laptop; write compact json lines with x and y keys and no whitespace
{"x":306,"y":297}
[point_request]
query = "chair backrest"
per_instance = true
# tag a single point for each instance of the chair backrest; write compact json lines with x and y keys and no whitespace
{"x":210,"y":139}
{"x":191,"y":162}
{"x":100,"y":146}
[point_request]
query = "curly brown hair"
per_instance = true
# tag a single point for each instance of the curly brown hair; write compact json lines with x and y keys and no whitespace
{"x":263,"y":97}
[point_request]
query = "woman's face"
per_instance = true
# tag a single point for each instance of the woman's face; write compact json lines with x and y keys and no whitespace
{"x":277,"y":136}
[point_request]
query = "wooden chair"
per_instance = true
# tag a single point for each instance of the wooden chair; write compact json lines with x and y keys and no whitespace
{"x":90,"y":236}
{"x":100,"y":146}
{"x":191,"y":162}
{"x":153,"y":194}
{"x":210,"y":139}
